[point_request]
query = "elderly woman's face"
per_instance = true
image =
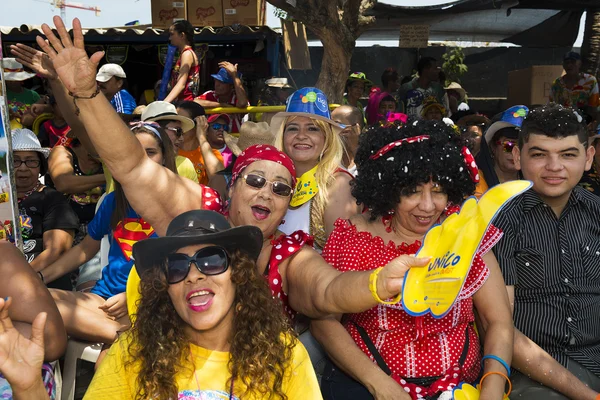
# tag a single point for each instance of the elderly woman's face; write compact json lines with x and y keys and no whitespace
{"x":303,"y":141}
{"x":260,"y":207}
{"x":419,"y":210}
{"x":204,"y":302}
{"x":28,"y":172}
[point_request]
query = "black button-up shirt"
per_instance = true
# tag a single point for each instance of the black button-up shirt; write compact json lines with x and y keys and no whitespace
{"x":554,"y":265}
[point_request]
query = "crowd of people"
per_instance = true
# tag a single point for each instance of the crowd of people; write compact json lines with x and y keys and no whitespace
{"x":228,"y":255}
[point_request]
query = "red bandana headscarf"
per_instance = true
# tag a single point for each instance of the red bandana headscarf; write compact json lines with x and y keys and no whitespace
{"x":261,"y":152}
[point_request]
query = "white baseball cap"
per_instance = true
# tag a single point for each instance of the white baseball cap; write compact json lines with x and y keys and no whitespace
{"x":107,"y":71}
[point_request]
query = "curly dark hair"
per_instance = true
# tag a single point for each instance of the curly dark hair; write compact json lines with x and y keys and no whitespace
{"x":381,"y":183}
{"x":262,"y":341}
{"x":555,"y":121}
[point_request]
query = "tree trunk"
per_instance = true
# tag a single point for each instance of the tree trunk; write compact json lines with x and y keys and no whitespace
{"x":590,"y":50}
{"x":337,"y":53}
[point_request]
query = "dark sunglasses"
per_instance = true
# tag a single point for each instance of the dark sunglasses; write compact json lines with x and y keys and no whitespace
{"x":208,"y":260}
{"x":28,"y":163}
{"x":258,"y":182}
{"x":216,"y":126}
{"x":507,"y":145}
{"x":178,"y":131}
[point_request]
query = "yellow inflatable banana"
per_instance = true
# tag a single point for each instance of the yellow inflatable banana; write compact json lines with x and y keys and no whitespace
{"x":452,"y":247}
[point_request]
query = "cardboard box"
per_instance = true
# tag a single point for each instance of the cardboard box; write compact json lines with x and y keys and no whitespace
{"x":243,"y":12}
{"x":532,"y":85}
{"x":165,"y":12}
{"x":205,"y":12}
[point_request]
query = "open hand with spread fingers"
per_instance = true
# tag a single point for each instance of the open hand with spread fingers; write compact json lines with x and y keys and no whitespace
{"x":21,"y":358}
{"x":75,"y":69}
{"x":36,"y":60}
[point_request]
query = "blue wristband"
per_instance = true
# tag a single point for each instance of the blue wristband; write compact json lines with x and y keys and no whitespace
{"x":501,"y":361}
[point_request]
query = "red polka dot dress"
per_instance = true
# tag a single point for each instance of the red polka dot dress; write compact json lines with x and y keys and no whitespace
{"x":412,"y":347}
{"x":284,"y":247}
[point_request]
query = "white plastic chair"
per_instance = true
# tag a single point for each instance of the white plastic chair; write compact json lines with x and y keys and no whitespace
{"x":76,"y":350}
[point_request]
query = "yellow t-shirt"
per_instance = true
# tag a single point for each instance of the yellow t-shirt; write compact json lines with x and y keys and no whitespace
{"x":114,"y":380}
{"x":184,"y":166}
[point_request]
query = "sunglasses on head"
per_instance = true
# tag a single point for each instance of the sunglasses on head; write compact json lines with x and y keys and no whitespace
{"x":258,"y":182}
{"x":507,"y":145}
{"x":216,"y":126}
{"x":211,"y":260}
{"x":178,"y":131}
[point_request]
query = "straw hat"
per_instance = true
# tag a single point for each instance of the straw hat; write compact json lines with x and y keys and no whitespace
{"x":25,"y":140}
{"x":251,"y":133}
{"x":163,"y":111}
{"x":14,"y":71}
{"x":278,"y":83}
{"x":457,"y":88}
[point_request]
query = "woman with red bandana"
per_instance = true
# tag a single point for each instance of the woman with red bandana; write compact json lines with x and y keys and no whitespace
{"x":408,"y":178}
{"x":259,"y":195}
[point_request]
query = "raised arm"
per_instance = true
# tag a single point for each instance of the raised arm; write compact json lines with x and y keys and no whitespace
{"x":187,"y":59}
{"x":211,"y":162}
{"x":240,"y":92}
{"x":140,"y":177}
{"x":39,"y":62}
{"x":316,"y":289}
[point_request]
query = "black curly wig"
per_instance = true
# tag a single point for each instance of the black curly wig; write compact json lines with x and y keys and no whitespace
{"x":380,"y":183}
{"x":555,"y":121}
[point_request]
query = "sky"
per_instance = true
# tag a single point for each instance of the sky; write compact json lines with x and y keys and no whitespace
{"x":119,"y":12}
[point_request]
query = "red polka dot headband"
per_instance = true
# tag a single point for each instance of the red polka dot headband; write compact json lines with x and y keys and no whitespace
{"x":468,"y":157}
{"x":388,"y":147}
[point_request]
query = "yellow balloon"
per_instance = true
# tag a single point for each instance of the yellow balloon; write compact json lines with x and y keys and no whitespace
{"x":452,"y":247}
{"x":466,"y":392}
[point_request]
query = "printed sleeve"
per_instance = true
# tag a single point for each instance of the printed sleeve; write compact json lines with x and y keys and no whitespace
{"x":58,"y":214}
{"x":111,"y":380}
{"x":100,"y":225}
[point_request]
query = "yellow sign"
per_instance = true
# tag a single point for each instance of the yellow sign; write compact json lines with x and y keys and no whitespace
{"x":452,"y":247}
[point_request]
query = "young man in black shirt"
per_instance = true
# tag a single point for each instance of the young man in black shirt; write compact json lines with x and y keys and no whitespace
{"x":550,"y":259}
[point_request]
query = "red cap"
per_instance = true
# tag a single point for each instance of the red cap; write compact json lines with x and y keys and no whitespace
{"x":215,"y":117}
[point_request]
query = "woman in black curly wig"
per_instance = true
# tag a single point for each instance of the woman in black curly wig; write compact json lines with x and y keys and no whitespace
{"x":409,"y":178}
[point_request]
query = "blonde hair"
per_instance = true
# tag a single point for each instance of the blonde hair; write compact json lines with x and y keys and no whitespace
{"x":330,"y":160}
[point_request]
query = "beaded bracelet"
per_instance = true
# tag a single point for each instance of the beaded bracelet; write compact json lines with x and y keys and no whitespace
{"x":77,"y":111}
{"x":501,"y":361}
{"x":497,"y":373}
{"x":373,"y":288}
